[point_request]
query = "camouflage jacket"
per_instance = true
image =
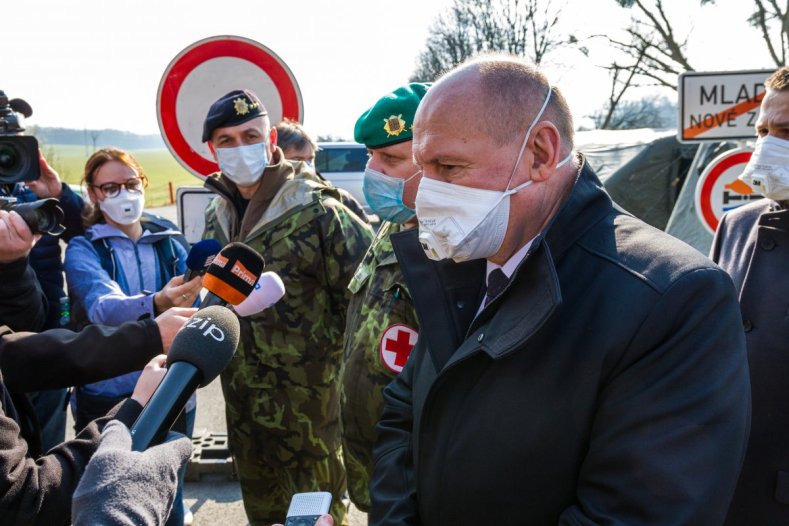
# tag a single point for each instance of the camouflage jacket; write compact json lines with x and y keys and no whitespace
{"x":380,"y":300}
{"x":382,"y":329}
{"x":292,"y":351}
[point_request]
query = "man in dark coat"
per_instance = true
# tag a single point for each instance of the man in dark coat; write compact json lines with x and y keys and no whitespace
{"x":752,"y":245}
{"x":599,"y":378}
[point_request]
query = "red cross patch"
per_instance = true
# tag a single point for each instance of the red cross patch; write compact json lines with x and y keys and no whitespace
{"x":396,"y":345}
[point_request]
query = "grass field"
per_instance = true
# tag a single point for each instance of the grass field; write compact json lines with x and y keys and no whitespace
{"x":159,"y":165}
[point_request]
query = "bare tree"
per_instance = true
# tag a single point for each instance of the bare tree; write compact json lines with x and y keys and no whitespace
{"x":469,"y":27}
{"x":649,"y":112}
{"x":658,"y":54}
{"x":773,"y":23}
{"x":653,"y":55}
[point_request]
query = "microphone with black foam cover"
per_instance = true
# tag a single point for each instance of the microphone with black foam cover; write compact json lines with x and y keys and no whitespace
{"x":200,"y":350}
{"x":232,"y":275}
{"x":200,"y":257}
{"x":268,"y":290}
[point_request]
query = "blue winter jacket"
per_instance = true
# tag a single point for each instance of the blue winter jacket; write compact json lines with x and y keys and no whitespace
{"x":112,"y":279}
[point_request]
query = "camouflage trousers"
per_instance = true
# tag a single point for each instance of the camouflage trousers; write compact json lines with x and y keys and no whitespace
{"x":273,"y":464}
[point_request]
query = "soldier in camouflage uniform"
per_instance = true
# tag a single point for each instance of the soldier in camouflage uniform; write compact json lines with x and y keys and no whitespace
{"x":282,"y":387}
{"x":382,"y":326}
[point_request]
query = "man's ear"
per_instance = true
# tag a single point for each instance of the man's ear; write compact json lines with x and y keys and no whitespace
{"x":212,"y":149}
{"x":272,"y":140}
{"x":546,"y":145}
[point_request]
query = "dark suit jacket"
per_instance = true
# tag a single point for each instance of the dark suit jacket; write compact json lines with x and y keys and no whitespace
{"x":607,"y":384}
{"x":752,"y":244}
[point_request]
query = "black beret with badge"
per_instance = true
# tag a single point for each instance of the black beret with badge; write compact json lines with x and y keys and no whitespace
{"x":391,"y":119}
{"x":237,"y":107}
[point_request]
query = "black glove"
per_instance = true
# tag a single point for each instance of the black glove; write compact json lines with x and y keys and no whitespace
{"x":121,"y":486}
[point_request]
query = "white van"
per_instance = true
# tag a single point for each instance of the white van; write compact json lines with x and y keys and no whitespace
{"x":342,"y":163}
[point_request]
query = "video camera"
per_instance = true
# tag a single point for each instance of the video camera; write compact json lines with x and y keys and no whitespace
{"x":19,"y":164}
{"x":18,"y":153}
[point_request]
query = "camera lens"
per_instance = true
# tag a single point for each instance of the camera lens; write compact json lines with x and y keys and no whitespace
{"x":44,"y":216}
{"x":9,"y":158}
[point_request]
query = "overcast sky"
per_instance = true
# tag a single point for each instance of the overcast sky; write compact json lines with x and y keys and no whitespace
{"x":98,"y":63}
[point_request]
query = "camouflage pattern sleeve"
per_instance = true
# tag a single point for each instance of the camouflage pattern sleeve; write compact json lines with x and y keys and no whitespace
{"x":345,"y":240}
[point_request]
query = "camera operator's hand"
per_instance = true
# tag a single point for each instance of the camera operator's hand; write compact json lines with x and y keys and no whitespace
{"x":49,"y":184}
{"x":16,"y":239}
{"x":170,"y":322}
{"x":177,"y":293}
{"x":150,"y":379}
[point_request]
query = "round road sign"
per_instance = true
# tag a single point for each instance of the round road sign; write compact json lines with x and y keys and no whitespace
{"x":719,"y":190}
{"x":205,"y":71}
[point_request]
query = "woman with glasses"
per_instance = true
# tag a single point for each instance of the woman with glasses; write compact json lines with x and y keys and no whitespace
{"x":126,"y":267}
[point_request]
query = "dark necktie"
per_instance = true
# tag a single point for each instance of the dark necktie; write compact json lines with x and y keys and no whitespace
{"x":497,"y":282}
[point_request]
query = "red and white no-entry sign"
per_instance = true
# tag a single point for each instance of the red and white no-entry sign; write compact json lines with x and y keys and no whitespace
{"x":719,"y":190}
{"x":205,"y":71}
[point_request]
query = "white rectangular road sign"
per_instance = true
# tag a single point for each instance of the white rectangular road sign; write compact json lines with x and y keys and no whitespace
{"x":721,"y":105}
{"x":192,"y":202}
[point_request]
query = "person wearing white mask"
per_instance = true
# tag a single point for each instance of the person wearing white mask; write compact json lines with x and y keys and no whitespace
{"x":574,"y":365}
{"x":752,"y":245}
{"x":126,"y":267}
{"x":282,"y":388}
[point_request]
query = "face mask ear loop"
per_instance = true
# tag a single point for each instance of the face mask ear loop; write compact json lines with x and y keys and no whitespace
{"x":528,"y":132}
{"x":412,"y":176}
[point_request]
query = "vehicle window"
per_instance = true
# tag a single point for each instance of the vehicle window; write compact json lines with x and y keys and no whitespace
{"x":341,"y":160}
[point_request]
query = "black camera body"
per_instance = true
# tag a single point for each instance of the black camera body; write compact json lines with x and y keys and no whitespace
{"x":18,"y":153}
{"x":19,"y":164}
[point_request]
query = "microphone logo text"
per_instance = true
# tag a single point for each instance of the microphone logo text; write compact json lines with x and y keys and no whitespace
{"x":209,"y":330}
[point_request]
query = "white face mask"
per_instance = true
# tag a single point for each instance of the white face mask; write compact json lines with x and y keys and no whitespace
{"x":465,"y":223}
{"x":243,"y":165}
{"x":125,"y":208}
{"x":768,"y":170}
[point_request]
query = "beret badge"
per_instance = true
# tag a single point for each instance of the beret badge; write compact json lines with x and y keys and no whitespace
{"x":394,"y":125}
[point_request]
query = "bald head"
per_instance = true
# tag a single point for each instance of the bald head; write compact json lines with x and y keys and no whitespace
{"x":500,"y":95}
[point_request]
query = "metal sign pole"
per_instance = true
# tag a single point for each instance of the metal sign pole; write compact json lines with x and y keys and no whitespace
{"x":683,"y":223}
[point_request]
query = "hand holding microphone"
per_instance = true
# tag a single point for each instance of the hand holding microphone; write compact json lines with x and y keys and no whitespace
{"x":177,"y":293}
{"x":199,"y":352}
{"x":152,"y":375}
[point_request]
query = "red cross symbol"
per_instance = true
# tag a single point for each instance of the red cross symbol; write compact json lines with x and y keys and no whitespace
{"x":397,"y":343}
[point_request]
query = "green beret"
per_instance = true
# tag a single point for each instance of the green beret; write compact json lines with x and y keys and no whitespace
{"x":391,"y":119}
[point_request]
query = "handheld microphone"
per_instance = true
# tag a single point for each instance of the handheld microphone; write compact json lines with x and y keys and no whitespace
{"x":232,"y":275}
{"x":200,"y":257}
{"x":268,"y":290}
{"x":199,"y":352}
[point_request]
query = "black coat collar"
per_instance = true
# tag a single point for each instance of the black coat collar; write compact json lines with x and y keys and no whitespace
{"x":447,"y":294}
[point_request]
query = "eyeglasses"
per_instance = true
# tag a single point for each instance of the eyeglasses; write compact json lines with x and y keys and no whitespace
{"x":113,"y":189}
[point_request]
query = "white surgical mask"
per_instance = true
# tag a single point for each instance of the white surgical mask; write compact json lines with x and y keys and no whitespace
{"x":768,"y":170}
{"x":465,"y":223}
{"x":243,"y":165}
{"x":125,"y":208}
